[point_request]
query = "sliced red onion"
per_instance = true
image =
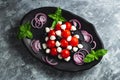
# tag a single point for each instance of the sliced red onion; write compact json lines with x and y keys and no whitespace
{"x":88,"y":37}
{"x":75,"y":22}
{"x":78,"y":58}
{"x":35,"y":44}
{"x":43,"y":59}
{"x":39,"y":20}
{"x":94,"y":45}
{"x":50,"y":61}
{"x":85,"y":50}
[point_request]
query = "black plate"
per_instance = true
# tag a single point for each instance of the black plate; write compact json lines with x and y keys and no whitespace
{"x":38,"y":33}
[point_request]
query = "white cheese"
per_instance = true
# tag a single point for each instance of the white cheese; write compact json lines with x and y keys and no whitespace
{"x":75,"y":49}
{"x":59,"y":56}
{"x":69,"y":38}
{"x":69,"y":47}
{"x":52,"y":37}
{"x":44,"y":46}
{"x":47,"y":51}
{"x":77,"y":36}
{"x":58,"y":32}
{"x":67,"y":59}
{"x":57,"y":43}
{"x":80,"y":46}
{"x":59,"y":22}
{"x":46,"y":38}
{"x":73,"y":28}
{"x":63,"y":26}
{"x":47,"y":29}
{"x":59,"y":49}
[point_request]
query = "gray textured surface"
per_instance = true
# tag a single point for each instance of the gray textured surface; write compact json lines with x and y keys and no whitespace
{"x":17,"y":64}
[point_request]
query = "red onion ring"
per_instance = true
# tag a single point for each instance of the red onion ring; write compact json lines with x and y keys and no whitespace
{"x":85,"y":50}
{"x":87,"y":36}
{"x":50,"y":61}
{"x":39,"y":20}
{"x":78,"y":58}
{"x":75,"y":21}
{"x":35,"y":44}
{"x":43,"y":59}
{"x":94,"y":45}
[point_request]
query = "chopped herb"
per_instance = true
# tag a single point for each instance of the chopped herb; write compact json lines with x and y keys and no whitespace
{"x":95,"y":55}
{"x":24,"y":31}
{"x":57,"y":16}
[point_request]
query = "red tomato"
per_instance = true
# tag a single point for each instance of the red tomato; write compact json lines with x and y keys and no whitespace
{"x":53,"y":51}
{"x":58,"y":27}
{"x":51,"y":43}
{"x":68,"y":25}
{"x":52,"y":32}
{"x":74,"y":41}
{"x":65,"y":33}
{"x":65,"y":53}
{"x":64,"y":43}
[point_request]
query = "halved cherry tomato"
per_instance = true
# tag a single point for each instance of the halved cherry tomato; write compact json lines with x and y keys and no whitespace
{"x":63,"y":43}
{"x":58,"y":27}
{"x":74,"y":41}
{"x":65,"y":53}
{"x":68,"y":25}
{"x":51,"y":33}
{"x":53,"y":51}
{"x":65,"y":33}
{"x":50,"y":43}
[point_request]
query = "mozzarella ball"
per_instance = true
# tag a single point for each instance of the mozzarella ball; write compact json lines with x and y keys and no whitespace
{"x":73,"y":28}
{"x":47,"y":29}
{"x":67,"y":59}
{"x":47,"y":51}
{"x":69,"y":47}
{"x":69,"y":38}
{"x":44,"y":46}
{"x":52,"y":37}
{"x":58,"y":32}
{"x":57,"y":43}
{"x":59,"y":56}
{"x":59,"y":49}
{"x":63,"y":26}
{"x":46,"y":38}
{"x":59,"y":22}
{"x":77,"y":36}
{"x":80,"y":46}
{"x":75,"y":49}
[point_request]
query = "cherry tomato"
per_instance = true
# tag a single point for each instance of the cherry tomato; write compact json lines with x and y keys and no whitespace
{"x":53,"y":51}
{"x":57,"y":27}
{"x":74,"y":41}
{"x":65,"y":53}
{"x":64,"y":43}
{"x":68,"y":25}
{"x":51,"y":43}
{"x":65,"y":33}
{"x":52,"y":32}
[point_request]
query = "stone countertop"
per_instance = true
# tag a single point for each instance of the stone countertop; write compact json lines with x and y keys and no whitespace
{"x":16,"y":63}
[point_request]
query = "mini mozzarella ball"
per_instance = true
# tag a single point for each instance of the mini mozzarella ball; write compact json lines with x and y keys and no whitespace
{"x":46,"y":38}
{"x":67,"y":59}
{"x":47,"y":51}
{"x":59,"y":22}
{"x":58,"y":32}
{"x":59,"y":49}
{"x":73,"y":28}
{"x":75,"y":49}
{"x":44,"y":46}
{"x":47,"y":29}
{"x":77,"y":36}
{"x":69,"y":47}
{"x":69,"y":38}
{"x":63,"y":26}
{"x":59,"y":56}
{"x":57,"y":43}
{"x":80,"y":46}
{"x":52,"y":37}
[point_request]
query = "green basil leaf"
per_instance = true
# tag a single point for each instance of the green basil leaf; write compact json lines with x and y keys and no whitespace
{"x":88,"y":59}
{"x":53,"y":24}
{"x":29,"y":34}
{"x":101,"y":52}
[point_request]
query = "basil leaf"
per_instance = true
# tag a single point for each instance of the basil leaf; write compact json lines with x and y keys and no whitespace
{"x":101,"y":52}
{"x":88,"y":59}
{"x":29,"y":34}
{"x":53,"y":24}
